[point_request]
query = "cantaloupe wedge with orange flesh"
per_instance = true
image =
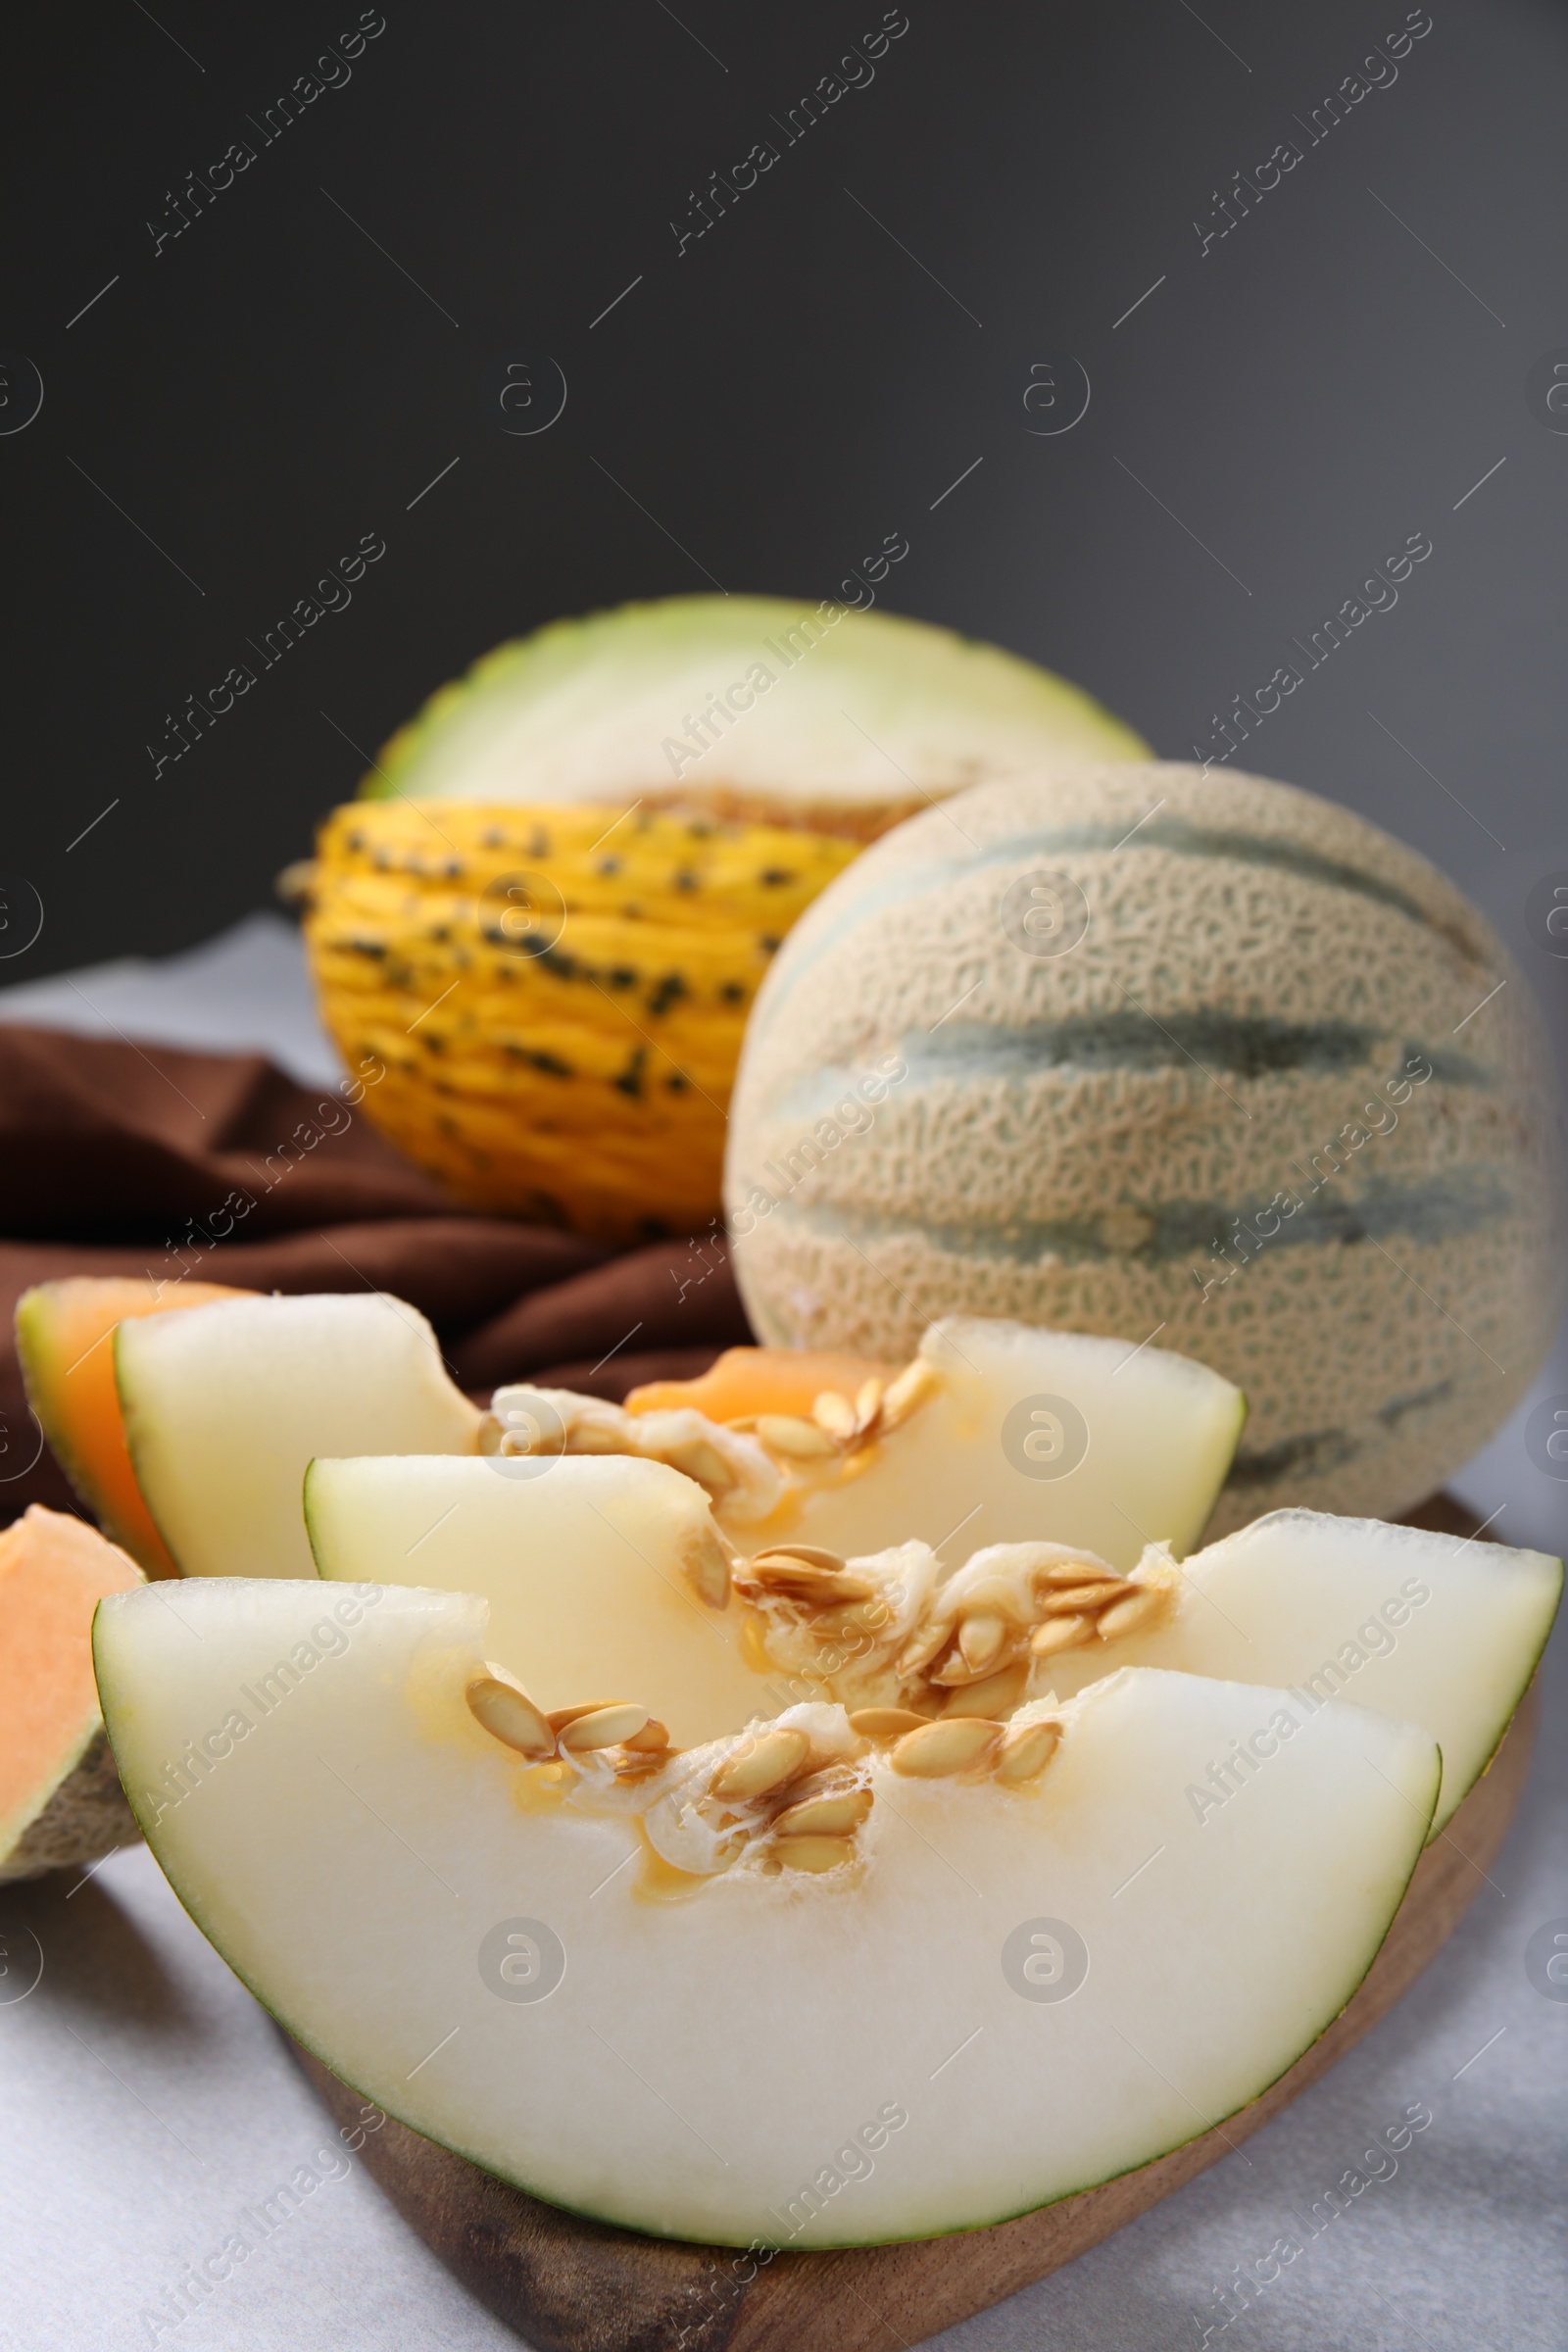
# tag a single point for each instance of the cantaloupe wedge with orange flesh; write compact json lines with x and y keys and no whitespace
{"x":748,"y":1381}
{"x":68,"y":1360}
{"x":61,"y":1802}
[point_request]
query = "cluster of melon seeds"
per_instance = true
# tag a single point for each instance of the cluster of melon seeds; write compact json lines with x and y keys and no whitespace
{"x":747,"y":1465}
{"x":837,"y":1626}
{"x":498,"y":1701}
{"x":840,"y":1426}
{"x":733,"y":1469}
{"x":1015,"y":1603}
{"x":1012,"y":1753}
{"x":789,"y":1795}
{"x":968,"y":1647}
{"x":556,"y":994}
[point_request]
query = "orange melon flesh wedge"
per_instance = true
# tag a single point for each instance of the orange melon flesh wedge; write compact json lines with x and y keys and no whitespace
{"x":61,"y":1801}
{"x":747,"y":1380}
{"x":67,"y":1362}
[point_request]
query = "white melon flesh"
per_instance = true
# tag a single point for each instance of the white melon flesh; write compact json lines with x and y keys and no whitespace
{"x":1146,"y":1455}
{"x":1435,"y":1628}
{"x":1424,"y":1627}
{"x":595,"y":1571}
{"x":398,"y":1887}
{"x":226,"y":1405}
{"x":1014,"y":1435}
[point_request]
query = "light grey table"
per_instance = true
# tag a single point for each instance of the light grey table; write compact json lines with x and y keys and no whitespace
{"x":151,"y":2111}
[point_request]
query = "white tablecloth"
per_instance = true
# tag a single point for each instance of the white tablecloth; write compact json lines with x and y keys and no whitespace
{"x":148,"y":2101}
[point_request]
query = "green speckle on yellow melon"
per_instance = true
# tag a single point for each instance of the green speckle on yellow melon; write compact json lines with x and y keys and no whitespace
{"x":1255,"y":1109}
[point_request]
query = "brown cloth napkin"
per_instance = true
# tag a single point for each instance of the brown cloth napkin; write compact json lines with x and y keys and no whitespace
{"x":125,"y":1158}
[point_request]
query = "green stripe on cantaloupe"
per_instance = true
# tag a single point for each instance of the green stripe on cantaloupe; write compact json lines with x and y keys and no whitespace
{"x":1161,"y":1232}
{"x":1075,"y":1140}
{"x":1019,"y":851}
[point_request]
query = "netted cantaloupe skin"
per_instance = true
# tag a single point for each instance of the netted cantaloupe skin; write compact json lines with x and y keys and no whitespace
{"x":1093,"y":1140}
{"x":547,"y":1004}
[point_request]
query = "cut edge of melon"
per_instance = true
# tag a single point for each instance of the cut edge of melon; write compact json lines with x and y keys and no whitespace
{"x":1446,"y":1806}
{"x":213,"y":1409}
{"x":70,"y":1809}
{"x":64,"y":1331}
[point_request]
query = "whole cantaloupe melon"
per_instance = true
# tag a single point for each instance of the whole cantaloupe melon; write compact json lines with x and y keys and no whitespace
{"x":1195,"y":1057}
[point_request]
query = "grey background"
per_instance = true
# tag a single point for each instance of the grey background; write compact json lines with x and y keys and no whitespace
{"x":1293,"y":403}
{"x":791,"y":387}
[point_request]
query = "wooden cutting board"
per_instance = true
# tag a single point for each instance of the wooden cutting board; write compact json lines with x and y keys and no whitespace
{"x":572,"y":2286}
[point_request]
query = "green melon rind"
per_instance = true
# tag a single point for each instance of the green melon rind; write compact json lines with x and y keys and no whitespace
{"x":656,"y":660}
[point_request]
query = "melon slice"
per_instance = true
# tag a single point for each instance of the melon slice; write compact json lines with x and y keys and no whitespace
{"x":887,"y":714}
{"x":1441,"y":1632}
{"x":1001,"y":1432}
{"x":61,"y":1802}
{"x":224,"y":1407}
{"x":600,"y":1575}
{"x":68,"y":1362}
{"x":1008,"y":1978}
{"x":1419,"y":1625}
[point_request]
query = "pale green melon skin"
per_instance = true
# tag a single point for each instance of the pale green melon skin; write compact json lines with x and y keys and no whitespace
{"x":1373,"y":1366}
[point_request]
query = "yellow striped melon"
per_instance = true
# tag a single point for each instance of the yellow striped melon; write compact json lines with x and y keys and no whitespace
{"x":537,"y":936}
{"x":1188,"y":1058}
{"x":560,"y":1047}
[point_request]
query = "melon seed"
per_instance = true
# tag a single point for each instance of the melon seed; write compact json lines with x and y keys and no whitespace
{"x":1071,"y":1572}
{"x":835,"y":1414}
{"x":701,"y":1461}
{"x":604,"y":1727}
{"x":821,"y":1588}
{"x":814,"y":1853}
{"x":997,"y":1694}
{"x":913,"y":1387}
{"x":499,"y":1704}
{"x":886,"y":1723}
{"x":1027,"y":1751}
{"x":651,"y":1740}
{"x":867,"y":1403}
{"x":813,"y":1555}
{"x":980,"y":1638}
{"x":922,"y":1647}
{"x":766,"y":1762}
{"x":825,"y":1816}
{"x":1124,"y":1616}
{"x":939,"y":1748}
{"x":707,"y":1566}
{"x":799,"y":1439}
{"x":954,"y":1668}
{"x":560,"y":1717}
{"x":1084,"y":1597}
{"x":1060,"y":1633}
